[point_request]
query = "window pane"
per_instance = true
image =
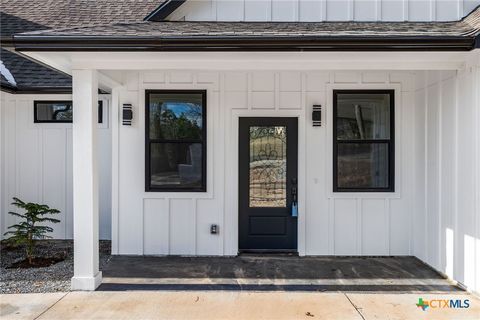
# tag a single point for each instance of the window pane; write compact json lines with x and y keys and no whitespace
{"x":363,"y":165}
{"x":61,"y":111}
{"x":54,"y":111}
{"x":176,"y":165}
{"x":268,"y":166}
{"x":363,"y":116}
{"x":175,"y":115}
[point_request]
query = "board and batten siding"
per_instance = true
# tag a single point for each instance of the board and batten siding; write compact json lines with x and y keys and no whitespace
{"x":154,"y":223}
{"x":36,"y":162}
{"x":323,"y":10}
{"x":447,"y":220}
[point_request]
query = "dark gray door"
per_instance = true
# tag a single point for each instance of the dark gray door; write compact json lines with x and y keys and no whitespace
{"x":267,"y":183}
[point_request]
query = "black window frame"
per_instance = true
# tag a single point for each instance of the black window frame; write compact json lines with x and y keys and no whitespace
{"x":390,"y":142}
{"x":35,"y":106}
{"x":149,"y":141}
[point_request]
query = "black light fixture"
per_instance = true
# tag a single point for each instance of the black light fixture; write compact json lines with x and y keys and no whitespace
{"x":214,"y":229}
{"x":127,"y":114}
{"x":317,"y":115}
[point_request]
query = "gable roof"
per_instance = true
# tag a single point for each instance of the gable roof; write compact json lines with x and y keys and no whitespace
{"x":245,"y":36}
{"x":164,"y":10}
{"x":33,"y":77}
{"x":18,"y":16}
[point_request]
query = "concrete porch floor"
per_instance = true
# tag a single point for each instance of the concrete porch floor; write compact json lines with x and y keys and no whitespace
{"x":252,"y":287}
{"x":274,"y":273}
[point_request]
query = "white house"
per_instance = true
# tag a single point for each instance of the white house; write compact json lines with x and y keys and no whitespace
{"x":317,"y":127}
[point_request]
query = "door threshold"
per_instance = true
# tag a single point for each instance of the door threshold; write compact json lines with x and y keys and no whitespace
{"x":289,"y":252}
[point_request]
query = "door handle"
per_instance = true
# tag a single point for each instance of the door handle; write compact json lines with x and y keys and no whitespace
{"x":294,"y":198}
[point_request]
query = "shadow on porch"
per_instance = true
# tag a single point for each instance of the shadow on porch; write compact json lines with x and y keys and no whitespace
{"x":274,"y":273}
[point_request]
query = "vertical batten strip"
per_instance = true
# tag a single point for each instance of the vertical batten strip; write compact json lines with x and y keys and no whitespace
{"x":270,"y":10}
{"x":425,"y":168}
{"x":297,"y":10}
{"x":221,"y":120}
{"x":323,"y":12}
{"x":460,"y":9}
{"x":351,"y":10}
{"x":476,"y":83}
{"x":441,"y":88}
{"x":406,"y":12}
{"x":249,"y":90}
{"x":40,"y":132}
{"x":276,"y":91}
{"x":378,"y":10}
{"x":433,"y":10}
{"x":65,"y":181}
{"x":195,"y":225}
{"x":169,"y":222}
{"x":387,"y":226}
{"x":359,"y":225}
{"x":115,"y":168}
{"x":331,"y":226}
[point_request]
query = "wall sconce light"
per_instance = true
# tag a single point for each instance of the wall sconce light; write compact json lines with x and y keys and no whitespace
{"x":317,"y":115}
{"x":127,"y":114}
{"x":214,"y":229}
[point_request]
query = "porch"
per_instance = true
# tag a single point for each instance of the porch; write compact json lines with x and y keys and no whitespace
{"x":274,"y":273}
{"x":428,"y":211}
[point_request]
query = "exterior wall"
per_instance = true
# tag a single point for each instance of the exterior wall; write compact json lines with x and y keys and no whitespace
{"x":447,"y":221}
{"x":324,"y":10}
{"x":36,"y":162}
{"x":341,"y":224}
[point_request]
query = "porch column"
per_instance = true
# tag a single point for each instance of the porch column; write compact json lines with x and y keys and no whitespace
{"x":85,"y":181}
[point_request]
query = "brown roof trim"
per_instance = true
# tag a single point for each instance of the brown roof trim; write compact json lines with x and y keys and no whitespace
{"x":245,"y":43}
{"x":35,"y":90}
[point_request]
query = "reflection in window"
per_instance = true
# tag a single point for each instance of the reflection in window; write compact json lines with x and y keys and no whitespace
{"x":58,"y":111}
{"x":175,"y":141}
{"x":175,"y":116}
{"x":176,"y":164}
{"x":363,"y":116}
{"x":362,"y":165}
{"x":54,"y":111}
{"x":363,"y":142}
{"x":268,"y":166}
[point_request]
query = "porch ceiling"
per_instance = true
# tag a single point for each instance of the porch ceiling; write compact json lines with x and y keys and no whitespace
{"x":218,"y":61}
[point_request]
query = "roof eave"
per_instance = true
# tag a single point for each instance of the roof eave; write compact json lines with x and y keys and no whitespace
{"x":6,"y":87}
{"x":35,"y":90}
{"x":213,"y":43}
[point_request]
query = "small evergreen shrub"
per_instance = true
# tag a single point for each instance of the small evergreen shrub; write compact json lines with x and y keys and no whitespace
{"x":28,"y":231}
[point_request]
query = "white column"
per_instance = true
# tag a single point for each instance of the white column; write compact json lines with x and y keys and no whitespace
{"x":85,"y":181}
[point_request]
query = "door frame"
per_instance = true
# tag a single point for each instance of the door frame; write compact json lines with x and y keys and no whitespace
{"x":291,"y":173}
{"x":231,"y":246}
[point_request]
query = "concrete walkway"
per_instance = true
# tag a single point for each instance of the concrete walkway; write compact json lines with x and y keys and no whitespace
{"x":229,"y":305}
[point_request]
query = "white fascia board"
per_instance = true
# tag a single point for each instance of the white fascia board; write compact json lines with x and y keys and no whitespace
{"x":66,"y":61}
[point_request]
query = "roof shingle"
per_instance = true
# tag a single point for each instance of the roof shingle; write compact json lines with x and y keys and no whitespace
{"x":31,"y":76}
{"x":18,"y":16}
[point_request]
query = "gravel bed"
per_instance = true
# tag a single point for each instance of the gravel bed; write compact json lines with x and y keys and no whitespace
{"x":54,"y":278}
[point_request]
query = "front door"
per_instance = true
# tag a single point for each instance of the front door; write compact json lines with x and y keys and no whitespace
{"x":267,"y":184}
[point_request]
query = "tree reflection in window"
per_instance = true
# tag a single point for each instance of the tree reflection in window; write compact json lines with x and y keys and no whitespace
{"x":176,"y":140}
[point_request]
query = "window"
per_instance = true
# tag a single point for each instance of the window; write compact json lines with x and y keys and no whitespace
{"x":363,"y":141}
{"x":175,"y":140}
{"x":58,"y":111}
